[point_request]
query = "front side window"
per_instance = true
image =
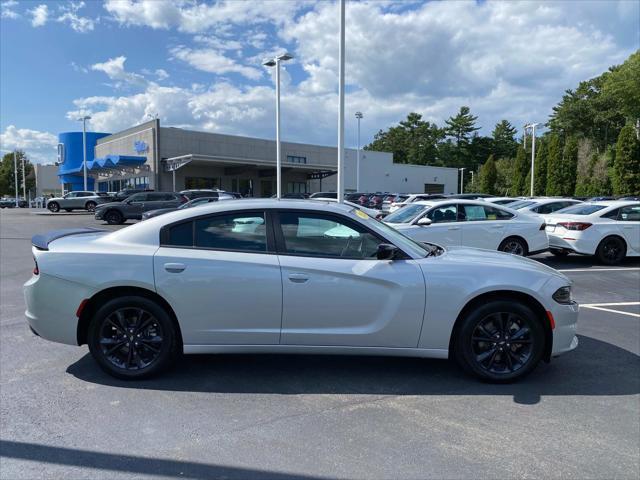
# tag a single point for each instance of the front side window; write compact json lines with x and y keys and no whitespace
{"x":326,"y":236}
{"x":630,"y":214}
{"x":71,"y":195}
{"x":238,"y":231}
{"x":138,"y":197}
{"x":445,"y":213}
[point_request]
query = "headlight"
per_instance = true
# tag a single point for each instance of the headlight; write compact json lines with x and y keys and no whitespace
{"x":563,"y":295}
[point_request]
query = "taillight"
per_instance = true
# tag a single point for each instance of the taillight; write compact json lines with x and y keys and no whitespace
{"x":36,"y":270}
{"x":543,"y":226}
{"x":575,"y":225}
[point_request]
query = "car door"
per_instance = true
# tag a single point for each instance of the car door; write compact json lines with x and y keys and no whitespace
{"x":134,"y":205}
{"x":337,"y":293}
{"x":68,"y":201}
{"x":629,"y":224}
{"x":444,"y":228}
{"x":221,"y":276}
{"x":480,"y":226}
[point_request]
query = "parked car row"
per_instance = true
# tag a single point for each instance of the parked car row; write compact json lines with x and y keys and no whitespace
{"x":7,"y":202}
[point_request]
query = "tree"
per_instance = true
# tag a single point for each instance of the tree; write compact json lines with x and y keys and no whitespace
{"x":584,"y":170}
{"x":7,"y":178}
{"x":622,"y":85}
{"x":488,"y":176}
{"x":569,"y":167}
{"x":520,"y":170}
{"x":540,"y":178}
{"x":460,"y":128}
{"x":504,"y":142}
{"x":627,"y":162}
{"x":554,"y":165}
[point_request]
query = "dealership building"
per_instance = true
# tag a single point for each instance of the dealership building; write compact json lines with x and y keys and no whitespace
{"x":167,"y":158}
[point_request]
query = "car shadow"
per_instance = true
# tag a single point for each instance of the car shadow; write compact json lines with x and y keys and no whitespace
{"x":571,"y":262}
{"x":595,"y":368}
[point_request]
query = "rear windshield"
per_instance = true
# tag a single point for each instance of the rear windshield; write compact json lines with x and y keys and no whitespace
{"x":581,"y":209}
{"x":406,"y":214}
{"x":521,"y":204}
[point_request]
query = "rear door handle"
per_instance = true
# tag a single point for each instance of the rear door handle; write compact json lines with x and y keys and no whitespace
{"x":498,"y":226}
{"x":454,"y":228}
{"x":298,"y":277}
{"x":174,"y":267}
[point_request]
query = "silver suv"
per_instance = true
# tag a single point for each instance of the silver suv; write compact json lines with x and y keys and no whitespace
{"x":77,"y":201}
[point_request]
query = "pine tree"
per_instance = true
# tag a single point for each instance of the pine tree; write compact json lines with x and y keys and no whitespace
{"x":461,"y":128}
{"x":627,"y":163}
{"x":520,"y":170}
{"x":540,"y":178}
{"x":569,"y":167}
{"x":488,"y":176}
{"x":504,"y":142}
{"x":554,"y":166}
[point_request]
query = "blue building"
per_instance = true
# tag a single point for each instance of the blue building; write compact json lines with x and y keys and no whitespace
{"x":70,"y":158}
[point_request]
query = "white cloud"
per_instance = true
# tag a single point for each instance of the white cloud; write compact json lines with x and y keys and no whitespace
{"x":78,"y":68}
{"x":39,"y":15}
{"x":7,"y":9}
{"x":40,"y":147}
{"x":76,"y":22}
{"x":114,"y":68}
{"x":161,"y":74}
{"x":210,"y":60}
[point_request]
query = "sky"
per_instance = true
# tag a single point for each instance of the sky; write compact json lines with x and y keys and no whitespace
{"x":198,"y":64}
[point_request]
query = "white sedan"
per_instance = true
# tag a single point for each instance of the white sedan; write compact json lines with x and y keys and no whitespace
{"x":542,"y":206}
{"x":287,"y":276}
{"x":608,"y":230}
{"x":472,"y":223}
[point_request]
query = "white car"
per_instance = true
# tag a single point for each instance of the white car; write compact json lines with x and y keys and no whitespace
{"x":506,"y":201}
{"x":608,"y":230}
{"x":543,"y":206}
{"x":287,"y":276}
{"x":372,"y":212}
{"x":403,"y":200}
{"x":472,"y":223}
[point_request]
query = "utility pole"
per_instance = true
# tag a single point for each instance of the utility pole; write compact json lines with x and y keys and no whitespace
{"x":15,"y":175}
{"x":24,"y":180}
{"x":359,"y":117}
{"x":84,"y":147}
{"x":533,"y":152}
{"x":340,"y":192}
{"x":462,"y":179}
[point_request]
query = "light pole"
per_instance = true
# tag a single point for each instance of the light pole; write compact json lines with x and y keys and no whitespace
{"x":15,"y":175}
{"x":462,"y":179}
{"x":533,"y":151}
{"x":275,"y":62}
{"x":341,"y":55}
{"x":359,"y":117}
{"x":84,"y":147}
{"x":24,"y":180}
{"x":472,"y":182}
{"x":524,"y":137}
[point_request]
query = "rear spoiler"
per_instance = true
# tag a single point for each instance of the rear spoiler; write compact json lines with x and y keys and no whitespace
{"x":42,"y":241}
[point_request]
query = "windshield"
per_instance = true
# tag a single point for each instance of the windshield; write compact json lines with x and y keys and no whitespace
{"x":521,"y":204}
{"x":399,"y":240}
{"x":581,"y":209}
{"x":406,"y":214}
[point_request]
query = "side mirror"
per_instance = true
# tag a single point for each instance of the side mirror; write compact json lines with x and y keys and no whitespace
{"x":424,"y":221}
{"x":386,"y":251}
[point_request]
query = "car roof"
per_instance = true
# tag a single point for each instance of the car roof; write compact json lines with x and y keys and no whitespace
{"x":463,"y":201}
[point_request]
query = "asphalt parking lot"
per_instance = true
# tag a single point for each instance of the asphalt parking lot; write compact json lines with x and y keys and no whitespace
{"x":245,"y":416}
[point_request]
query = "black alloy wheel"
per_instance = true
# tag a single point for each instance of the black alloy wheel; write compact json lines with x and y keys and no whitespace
{"x":90,"y":206}
{"x":500,"y":341}
{"x":132,"y":337}
{"x":611,"y":251}
{"x":514,"y":246}
{"x":113,"y":217}
{"x":53,"y":207}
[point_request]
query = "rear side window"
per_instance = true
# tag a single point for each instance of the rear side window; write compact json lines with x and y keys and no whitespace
{"x":630,"y":213}
{"x":180,"y":235}
{"x":613,"y":214}
{"x":245,"y":231}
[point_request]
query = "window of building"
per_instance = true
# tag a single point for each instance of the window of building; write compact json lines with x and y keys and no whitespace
{"x":433,"y":188}
{"x":296,"y":159}
{"x":244,"y":186}
{"x":195,"y":183}
{"x":296,"y":187}
{"x":326,"y":236}
{"x":239,"y":231}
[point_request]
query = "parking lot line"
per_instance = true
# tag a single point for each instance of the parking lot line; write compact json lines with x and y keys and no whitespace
{"x":623,"y":269}
{"x":602,"y":307}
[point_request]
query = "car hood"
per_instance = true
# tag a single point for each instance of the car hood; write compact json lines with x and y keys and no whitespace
{"x":498,"y":260}
{"x":158,"y":211}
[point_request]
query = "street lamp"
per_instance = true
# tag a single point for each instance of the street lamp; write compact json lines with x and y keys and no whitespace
{"x":359,"y":117}
{"x":533,"y":151}
{"x":275,"y":62}
{"x":84,"y":147}
{"x":15,"y":175}
{"x":341,"y":56}
{"x":462,"y":179}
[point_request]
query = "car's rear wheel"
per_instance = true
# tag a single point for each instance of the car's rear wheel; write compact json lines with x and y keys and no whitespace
{"x":515,"y":246}
{"x":53,"y":207}
{"x":132,"y":337}
{"x":500,"y":341}
{"x":90,"y":206}
{"x":611,"y":251}
{"x":114,"y":217}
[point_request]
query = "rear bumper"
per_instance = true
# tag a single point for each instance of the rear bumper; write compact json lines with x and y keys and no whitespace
{"x":577,"y":245}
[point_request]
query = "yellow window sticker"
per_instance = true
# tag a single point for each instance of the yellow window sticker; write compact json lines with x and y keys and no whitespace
{"x":361,"y":214}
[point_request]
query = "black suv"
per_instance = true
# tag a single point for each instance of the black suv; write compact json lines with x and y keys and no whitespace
{"x":133,"y":207}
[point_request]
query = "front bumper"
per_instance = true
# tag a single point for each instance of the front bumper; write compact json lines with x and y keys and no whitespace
{"x":98,"y":214}
{"x":566,"y":323}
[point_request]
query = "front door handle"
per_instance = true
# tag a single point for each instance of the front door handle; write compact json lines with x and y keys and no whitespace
{"x":498,"y":226}
{"x":174,"y":267}
{"x":298,"y":277}
{"x":454,"y":228}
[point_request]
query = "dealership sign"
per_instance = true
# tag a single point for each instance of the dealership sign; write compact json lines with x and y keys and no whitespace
{"x":140,"y":146}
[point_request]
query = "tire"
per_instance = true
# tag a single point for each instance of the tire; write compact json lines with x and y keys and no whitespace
{"x":118,"y":324}
{"x":114,"y":217}
{"x":611,"y":251}
{"x":488,"y":360}
{"x":515,"y":246}
{"x":559,"y":253}
{"x":90,"y":206}
{"x":53,"y":207}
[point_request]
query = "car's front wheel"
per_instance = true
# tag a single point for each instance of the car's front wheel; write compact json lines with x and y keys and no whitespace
{"x":53,"y":207}
{"x":514,"y":245}
{"x":114,"y":217}
{"x":611,"y":251}
{"x":90,"y":206}
{"x":499,"y":341}
{"x":132,"y":337}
